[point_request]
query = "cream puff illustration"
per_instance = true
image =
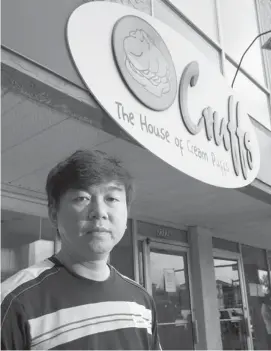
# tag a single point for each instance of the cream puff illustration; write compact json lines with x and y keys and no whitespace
{"x":146,"y":63}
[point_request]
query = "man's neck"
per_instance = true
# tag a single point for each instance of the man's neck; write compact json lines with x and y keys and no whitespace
{"x":95,"y":270}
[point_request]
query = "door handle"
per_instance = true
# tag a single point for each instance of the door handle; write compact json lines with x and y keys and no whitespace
{"x":179,"y":324}
{"x":246,"y":326}
{"x":195,"y":331}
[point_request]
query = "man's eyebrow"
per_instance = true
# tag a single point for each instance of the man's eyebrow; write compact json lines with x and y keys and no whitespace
{"x":115,"y":187}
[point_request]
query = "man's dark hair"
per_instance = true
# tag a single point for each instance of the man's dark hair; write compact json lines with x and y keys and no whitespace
{"x":85,"y":168}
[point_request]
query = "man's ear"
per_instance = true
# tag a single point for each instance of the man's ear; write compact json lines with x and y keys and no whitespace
{"x":52,"y":213}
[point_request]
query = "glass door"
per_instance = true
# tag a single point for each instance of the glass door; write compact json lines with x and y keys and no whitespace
{"x":234,"y":325}
{"x":163,"y":271}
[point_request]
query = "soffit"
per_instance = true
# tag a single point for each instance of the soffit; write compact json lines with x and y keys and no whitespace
{"x":36,"y":137}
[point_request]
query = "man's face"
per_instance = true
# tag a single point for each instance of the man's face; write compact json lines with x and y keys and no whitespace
{"x":92,"y":221}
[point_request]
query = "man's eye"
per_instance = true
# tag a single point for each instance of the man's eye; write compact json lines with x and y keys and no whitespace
{"x":81,"y":199}
{"x":112,"y":199}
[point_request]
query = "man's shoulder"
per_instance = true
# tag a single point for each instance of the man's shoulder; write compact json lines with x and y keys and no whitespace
{"x":133,"y":285}
{"x":130,"y":281}
{"x":26,"y":278}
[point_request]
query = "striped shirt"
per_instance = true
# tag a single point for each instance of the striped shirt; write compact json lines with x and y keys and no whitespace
{"x":47,"y":307}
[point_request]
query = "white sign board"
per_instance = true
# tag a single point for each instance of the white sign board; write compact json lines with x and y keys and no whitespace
{"x":170,"y":282}
{"x":164,"y":92}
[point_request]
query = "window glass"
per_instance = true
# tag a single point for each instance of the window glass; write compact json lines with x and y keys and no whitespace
{"x":223,"y":244}
{"x":258,"y":293}
{"x":49,"y":232}
{"x":122,"y":255}
{"x":166,"y":15}
{"x":239,"y":28}
{"x":20,"y":244}
{"x":39,"y":250}
{"x":230,"y":304}
{"x":170,"y":290}
{"x":255,"y":101}
{"x":265,"y":18}
{"x":13,"y":259}
{"x":202,"y":13}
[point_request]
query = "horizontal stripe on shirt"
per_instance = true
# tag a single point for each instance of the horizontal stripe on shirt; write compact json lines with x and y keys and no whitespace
{"x":72,"y":323}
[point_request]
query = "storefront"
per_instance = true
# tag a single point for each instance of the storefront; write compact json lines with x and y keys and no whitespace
{"x":198,"y":237}
{"x":235,"y":289}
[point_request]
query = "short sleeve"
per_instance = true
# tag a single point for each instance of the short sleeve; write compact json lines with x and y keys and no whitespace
{"x":15,"y":331}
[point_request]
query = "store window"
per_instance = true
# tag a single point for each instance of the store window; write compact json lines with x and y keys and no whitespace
{"x":258,"y":293}
{"x":165,"y":14}
{"x":257,"y":105}
{"x":265,"y":23}
{"x":25,"y":240}
{"x":230,"y":304}
{"x":202,"y":13}
{"x":223,"y":244}
{"x":122,"y":255}
{"x":239,"y":28}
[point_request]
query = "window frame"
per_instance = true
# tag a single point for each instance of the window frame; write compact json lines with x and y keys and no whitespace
{"x":224,"y":56}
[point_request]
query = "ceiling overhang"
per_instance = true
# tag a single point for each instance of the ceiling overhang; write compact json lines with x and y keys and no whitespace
{"x":45,"y":118}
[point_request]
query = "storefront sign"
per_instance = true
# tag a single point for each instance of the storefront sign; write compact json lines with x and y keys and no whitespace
{"x":164,"y":92}
{"x":163,"y":233}
{"x":154,"y":231}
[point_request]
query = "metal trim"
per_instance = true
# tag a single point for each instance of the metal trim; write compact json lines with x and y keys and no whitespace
{"x":242,"y":274}
{"x":267,"y":72}
{"x":268,"y":267}
{"x":152,"y":8}
{"x":135,"y":250}
{"x":146,"y":266}
{"x":224,"y":254}
{"x":220,"y":36}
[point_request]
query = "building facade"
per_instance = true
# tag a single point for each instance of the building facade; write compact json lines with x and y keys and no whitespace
{"x":203,"y":252}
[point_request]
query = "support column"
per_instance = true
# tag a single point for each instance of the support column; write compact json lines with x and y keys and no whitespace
{"x":204,"y":289}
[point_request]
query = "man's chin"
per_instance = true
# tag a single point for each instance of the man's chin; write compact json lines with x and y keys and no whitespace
{"x":100,"y":248}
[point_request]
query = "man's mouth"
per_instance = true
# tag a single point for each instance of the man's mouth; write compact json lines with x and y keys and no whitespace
{"x":98,"y":230}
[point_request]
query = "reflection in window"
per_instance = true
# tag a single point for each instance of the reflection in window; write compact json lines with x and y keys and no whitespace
{"x":239,"y":27}
{"x":257,"y":104}
{"x":203,"y":15}
{"x":164,"y":13}
{"x":258,"y":292}
{"x":230,"y":304}
{"x":228,"y":284}
{"x":170,"y":290}
{"x":265,"y":14}
{"x":20,"y":241}
{"x":122,"y":255}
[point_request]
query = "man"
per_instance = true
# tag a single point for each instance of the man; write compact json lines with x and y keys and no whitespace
{"x":75,"y":300}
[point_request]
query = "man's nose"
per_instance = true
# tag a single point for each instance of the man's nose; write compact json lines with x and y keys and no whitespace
{"x":97,"y":209}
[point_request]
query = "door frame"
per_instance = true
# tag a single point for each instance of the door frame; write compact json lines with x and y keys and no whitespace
{"x":175,"y":246}
{"x":224,"y":254}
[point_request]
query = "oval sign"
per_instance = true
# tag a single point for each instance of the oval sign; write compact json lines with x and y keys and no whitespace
{"x":164,"y":92}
